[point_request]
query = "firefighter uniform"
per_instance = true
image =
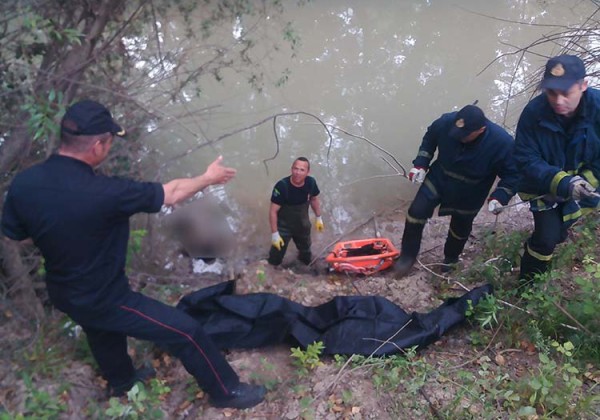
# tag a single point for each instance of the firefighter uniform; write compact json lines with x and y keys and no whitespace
{"x":459,"y":181}
{"x":550,"y":150}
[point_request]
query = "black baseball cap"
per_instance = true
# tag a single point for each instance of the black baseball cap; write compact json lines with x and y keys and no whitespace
{"x":470,"y":118}
{"x":89,"y":117}
{"x":562,"y":72}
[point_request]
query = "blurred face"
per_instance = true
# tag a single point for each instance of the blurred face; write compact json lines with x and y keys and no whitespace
{"x":300,"y":171}
{"x":471,"y":137}
{"x":565,"y":103}
{"x":101,"y":149}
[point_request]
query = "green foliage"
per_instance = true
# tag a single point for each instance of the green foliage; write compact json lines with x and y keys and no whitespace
{"x":485,"y":312}
{"x":134,"y":246}
{"x":260,"y":276}
{"x":496,"y":259}
{"x":42,"y":121}
{"x":42,"y":358}
{"x":554,"y":389}
{"x":396,"y":370}
{"x":486,"y":315}
{"x":40,"y":404}
{"x":309,"y":359}
{"x":269,"y":378}
{"x":39,"y":28}
{"x":141,"y":403}
{"x":554,"y":310}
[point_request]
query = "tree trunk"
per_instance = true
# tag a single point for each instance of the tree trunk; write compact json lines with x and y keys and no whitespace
{"x":18,"y":282}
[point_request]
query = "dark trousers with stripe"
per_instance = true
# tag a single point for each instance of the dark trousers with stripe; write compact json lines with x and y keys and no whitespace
{"x":139,"y":316}
{"x":548,"y":232}
{"x":419,"y":212}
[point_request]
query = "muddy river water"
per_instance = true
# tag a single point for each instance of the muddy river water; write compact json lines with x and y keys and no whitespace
{"x":380,"y":70}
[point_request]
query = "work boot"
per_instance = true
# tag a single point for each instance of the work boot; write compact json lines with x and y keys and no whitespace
{"x":242,"y":396}
{"x":531,"y":266}
{"x":403,"y":265}
{"x":449,"y":265}
{"x":141,"y":375}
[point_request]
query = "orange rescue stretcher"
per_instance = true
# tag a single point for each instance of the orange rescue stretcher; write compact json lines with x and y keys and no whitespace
{"x":362,"y":256}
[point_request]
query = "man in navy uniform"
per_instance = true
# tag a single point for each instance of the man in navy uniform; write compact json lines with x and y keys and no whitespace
{"x":557,"y":149}
{"x":471,"y":152}
{"x":80,"y":222}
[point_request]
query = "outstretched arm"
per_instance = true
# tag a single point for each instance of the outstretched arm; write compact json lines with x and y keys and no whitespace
{"x":181,"y":189}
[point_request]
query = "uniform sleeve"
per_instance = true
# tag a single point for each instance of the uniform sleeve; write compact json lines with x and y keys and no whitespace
{"x":314,"y":188}
{"x":430,"y":142}
{"x":140,"y":197}
{"x":12,"y":226}
{"x":508,"y":174}
{"x":546,"y":178}
{"x":278,"y":193}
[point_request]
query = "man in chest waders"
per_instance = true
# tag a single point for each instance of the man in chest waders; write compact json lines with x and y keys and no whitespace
{"x":288,"y":214}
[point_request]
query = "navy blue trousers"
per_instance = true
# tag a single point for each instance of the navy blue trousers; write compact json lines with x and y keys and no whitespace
{"x":419,"y":212}
{"x":136,"y":315}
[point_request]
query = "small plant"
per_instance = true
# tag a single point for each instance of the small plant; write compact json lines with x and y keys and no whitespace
{"x":555,"y":389}
{"x":307,"y":360}
{"x":267,"y":380}
{"x":141,"y":403}
{"x":40,"y":404}
{"x":260,"y":276}
{"x":485,"y":312}
{"x":135,"y":243}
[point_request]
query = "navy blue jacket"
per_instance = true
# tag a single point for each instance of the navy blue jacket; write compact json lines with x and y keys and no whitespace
{"x":80,"y":222}
{"x":463,"y":174}
{"x":548,"y":155}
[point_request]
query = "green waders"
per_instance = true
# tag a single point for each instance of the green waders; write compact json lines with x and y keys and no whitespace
{"x":293,"y":224}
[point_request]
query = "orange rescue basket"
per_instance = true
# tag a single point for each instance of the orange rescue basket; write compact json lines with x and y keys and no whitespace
{"x":363,"y":256}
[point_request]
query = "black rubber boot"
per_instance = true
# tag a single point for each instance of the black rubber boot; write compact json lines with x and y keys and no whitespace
{"x":242,"y":396}
{"x":411,"y":243}
{"x":453,"y":248}
{"x":403,"y":265}
{"x":141,"y":375}
{"x":531,"y":266}
{"x":449,"y":265}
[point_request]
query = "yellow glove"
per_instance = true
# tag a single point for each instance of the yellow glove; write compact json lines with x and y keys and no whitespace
{"x":277,"y":241}
{"x":319,"y":224}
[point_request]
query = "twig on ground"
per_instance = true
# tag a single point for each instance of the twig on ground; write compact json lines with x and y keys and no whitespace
{"x":343,"y":370}
{"x":434,"y":410}
{"x":571,"y":317}
{"x":480,"y":353}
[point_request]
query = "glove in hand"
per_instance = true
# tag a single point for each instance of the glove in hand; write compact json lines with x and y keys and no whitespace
{"x":319,"y":224}
{"x":494,"y":206}
{"x":580,"y":188}
{"x":417,"y":174}
{"x":277,"y":241}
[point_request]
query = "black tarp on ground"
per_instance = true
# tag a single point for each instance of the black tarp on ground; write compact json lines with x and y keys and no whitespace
{"x":345,"y":324}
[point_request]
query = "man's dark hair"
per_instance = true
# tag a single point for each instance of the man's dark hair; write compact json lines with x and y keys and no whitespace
{"x":303,"y":159}
{"x":81,"y":144}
